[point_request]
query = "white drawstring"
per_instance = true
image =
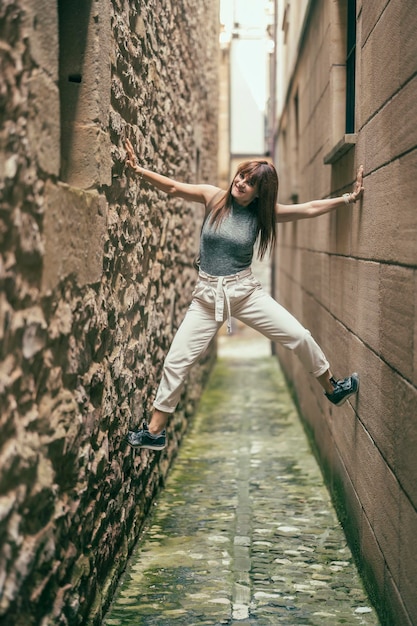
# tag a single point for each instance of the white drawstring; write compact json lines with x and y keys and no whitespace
{"x":222,"y":296}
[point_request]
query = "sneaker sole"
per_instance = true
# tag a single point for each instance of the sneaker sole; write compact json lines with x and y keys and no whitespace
{"x":147,"y":446}
{"x":352,"y":393}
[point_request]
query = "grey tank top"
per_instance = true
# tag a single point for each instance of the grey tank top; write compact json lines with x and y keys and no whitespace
{"x":228,"y":248}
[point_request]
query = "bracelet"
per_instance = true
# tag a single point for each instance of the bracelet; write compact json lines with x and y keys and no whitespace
{"x":346,"y":198}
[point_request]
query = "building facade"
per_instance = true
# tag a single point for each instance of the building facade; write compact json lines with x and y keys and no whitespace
{"x":347,"y":76}
{"x":95,"y":276}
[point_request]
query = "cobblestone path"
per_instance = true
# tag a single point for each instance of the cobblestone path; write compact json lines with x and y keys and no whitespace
{"x":244,"y":532}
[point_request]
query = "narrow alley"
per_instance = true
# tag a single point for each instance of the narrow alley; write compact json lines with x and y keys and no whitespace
{"x":120,"y":124}
{"x":244,"y":531}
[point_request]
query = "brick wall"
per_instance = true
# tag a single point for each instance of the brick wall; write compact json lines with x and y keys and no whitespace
{"x":351,"y":278}
{"x":95,"y":276}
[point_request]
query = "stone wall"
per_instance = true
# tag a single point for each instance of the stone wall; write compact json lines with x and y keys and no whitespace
{"x":95,"y":276}
{"x":351,"y":278}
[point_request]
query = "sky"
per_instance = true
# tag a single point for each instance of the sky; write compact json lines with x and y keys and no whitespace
{"x":249,"y":13}
{"x":249,"y":72}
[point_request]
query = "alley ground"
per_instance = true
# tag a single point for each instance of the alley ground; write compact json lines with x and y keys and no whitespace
{"x":245,"y":531}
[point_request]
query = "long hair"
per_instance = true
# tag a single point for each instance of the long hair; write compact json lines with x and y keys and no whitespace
{"x":265,"y":176}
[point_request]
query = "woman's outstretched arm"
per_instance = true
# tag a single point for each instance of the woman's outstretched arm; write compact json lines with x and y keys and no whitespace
{"x":314,"y":208}
{"x":193,"y":193}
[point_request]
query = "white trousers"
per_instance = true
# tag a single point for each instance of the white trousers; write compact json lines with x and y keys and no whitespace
{"x":241,"y":296}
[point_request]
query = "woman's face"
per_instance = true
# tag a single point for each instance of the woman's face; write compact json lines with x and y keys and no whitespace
{"x":244,"y":191}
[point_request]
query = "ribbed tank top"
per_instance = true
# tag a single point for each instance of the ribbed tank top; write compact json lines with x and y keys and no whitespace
{"x":228,"y":248}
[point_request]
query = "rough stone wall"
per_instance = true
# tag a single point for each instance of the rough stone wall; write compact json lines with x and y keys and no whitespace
{"x":351,"y":278}
{"x":95,"y":276}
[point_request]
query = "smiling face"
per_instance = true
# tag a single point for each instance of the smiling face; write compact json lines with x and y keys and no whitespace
{"x":244,"y":189}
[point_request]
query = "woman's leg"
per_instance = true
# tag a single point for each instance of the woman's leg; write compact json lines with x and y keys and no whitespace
{"x":262,"y":312}
{"x":189,"y":343}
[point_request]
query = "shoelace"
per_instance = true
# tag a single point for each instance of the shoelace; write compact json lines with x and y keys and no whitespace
{"x":341,"y":384}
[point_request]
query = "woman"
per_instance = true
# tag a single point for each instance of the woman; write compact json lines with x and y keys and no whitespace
{"x":234,"y":220}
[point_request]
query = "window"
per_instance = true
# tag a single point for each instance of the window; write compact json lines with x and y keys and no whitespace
{"x":84,"y":84}
{"x":342,"y":80}
{"x":350,"y":66}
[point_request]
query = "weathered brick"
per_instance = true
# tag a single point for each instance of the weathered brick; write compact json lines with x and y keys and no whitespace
{"x":43,"y":130}
{"x":75,"y":228}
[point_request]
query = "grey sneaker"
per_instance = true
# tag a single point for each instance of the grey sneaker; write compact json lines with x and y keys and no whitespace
{"x":142,"y":438}
{"x":343,"y":389}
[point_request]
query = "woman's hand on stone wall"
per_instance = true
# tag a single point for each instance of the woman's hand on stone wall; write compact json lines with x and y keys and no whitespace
{"x":131,"y":156}
{"x":358,"y":187}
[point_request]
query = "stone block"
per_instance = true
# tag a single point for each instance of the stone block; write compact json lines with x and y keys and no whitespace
{"x":74,"y":232}
{"x":86,"y":159}
{"x":389,"y":233}
{"x":408,"y":556}
{"x":391,"y":132}
{"x":381,"y":50}
{"x":371,"y":13}
{"x":407,"y":27}
{"x":414,"y":380}
{"x":404,"y":405}
{"x":372,"y":559}
{"x":405,"y":230}
{"x":403,"y":131}
{"x":343,"y":430}
{"x":377,"y":410}
{"x":41,"y":30}
{"x":315,"y":270}
{"x":43,"y":125}
{"x":395,"y":610}
{"x":343,"y":289}
{"x":337,"y":344}
{"x":399,"y":318}
{"x":381,"y":501}
{"x":367,"y":304}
